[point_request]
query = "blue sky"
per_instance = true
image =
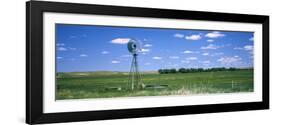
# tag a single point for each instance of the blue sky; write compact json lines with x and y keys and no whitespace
{"x":104,"y":48}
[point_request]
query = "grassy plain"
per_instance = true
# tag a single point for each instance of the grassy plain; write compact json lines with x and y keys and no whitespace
{"x":103,"y":84}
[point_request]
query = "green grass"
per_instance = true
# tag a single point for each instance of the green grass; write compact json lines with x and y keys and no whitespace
{"x":81,"y":85}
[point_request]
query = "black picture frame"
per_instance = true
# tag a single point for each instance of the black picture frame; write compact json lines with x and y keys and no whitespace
{"x":34,"y":61}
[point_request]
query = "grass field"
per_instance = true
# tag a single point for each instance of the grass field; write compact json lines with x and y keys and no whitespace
{"x":81,"y":85}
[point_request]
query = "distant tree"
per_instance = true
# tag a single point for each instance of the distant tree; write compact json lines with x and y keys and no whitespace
{"x":173,"y":71}
{"x":187,"y":70}
{"x":193,"y":70}
{"x":166,"y":71}
{"x":160,"y":71}
{"x":200,"y":70}
{"x":232,"y":69}
{"x":182,"y":70}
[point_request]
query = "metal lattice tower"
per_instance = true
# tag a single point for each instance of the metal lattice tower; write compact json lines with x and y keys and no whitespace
{"x":134,"y":81}
{"x":134,"y":76}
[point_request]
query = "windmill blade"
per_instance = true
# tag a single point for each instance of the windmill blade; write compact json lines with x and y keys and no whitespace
{"x":133,"y":46}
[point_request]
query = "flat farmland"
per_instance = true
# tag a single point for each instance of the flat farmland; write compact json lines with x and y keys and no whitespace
{"x":106,"y":84}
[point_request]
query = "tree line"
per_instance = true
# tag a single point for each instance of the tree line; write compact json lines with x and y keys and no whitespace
{"x":193,"y":70}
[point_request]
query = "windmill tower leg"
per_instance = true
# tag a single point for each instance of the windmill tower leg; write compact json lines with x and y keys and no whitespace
{"x":134,"y":75}
{"x":131,"y":76}
{"x":137,"y":73}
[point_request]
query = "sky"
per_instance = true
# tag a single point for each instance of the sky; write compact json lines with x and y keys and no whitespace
{"x":81,"y":48}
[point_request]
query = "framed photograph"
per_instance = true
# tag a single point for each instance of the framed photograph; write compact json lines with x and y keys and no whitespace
{"x":95,"y":62}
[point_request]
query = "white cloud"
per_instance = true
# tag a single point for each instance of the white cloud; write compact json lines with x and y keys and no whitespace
{"x":115,"y":61}
{"x":147,"y":45}
{"x":210,"y":40}
{"x":177,"y":35}
{"x":59,"y":57}
{"x":185,"y":61}
{"x":248,"y":47}
{"x":83,"y":55}
{"x":72,"y":48}
{"x":251,"y":39}
{"x":104,"y":52}
{"x":61,"y":49}
{"x":217,"y":54}
{"x":191,"y":58}
{"x":145,"y":50}
{"x":206,"y":62}
{"x":172,"y":65}
{"x":238,"y":48}
{"x":193,"y":37}
{"x":174,"y":57}
{"x":157,"y":58}
{"x":214,"y":34}
{"x":210,"y":46}
{"x":120,"y":41}
{"x":205,"y":54}
{"x":188,"y":51}
{"x":60,"y":44}
{"x":229,"y":60}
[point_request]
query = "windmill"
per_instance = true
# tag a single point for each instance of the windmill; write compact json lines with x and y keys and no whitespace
{"x":134,"y":81}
